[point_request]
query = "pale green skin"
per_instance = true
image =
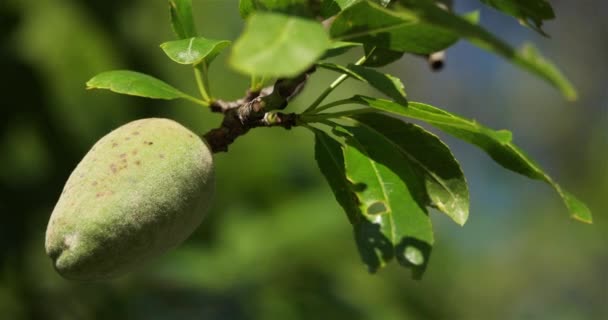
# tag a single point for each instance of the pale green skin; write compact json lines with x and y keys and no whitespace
{"x":141,"y":190}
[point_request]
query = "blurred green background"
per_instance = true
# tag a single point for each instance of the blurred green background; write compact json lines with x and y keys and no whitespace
{"x":276,"y":245}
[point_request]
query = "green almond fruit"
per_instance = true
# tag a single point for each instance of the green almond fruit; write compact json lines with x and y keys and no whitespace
{"x":141,"y":190}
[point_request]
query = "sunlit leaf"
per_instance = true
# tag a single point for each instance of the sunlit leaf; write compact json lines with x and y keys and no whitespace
{"x":135,"y":84}
{"x":182,"y":19}
{"x":276,"y":45}
{"x":497,"y":144}
{"x":375,"y":249}
{"x":194,"y":50}
{"x":389,"y":195}
{"x":387,"y":221}
{"x":435,"y":166}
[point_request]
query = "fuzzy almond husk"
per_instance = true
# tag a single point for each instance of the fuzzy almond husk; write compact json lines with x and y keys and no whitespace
{"x":141,"y":190}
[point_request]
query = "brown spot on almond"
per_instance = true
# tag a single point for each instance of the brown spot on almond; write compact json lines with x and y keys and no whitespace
{"x":94,"y":183}
{"x":138,"y":162}
{"x":162,"y":156}
{"x":114,"y":145}
{"x":134,"y":152}
{"x":123,"y":155}
{"x":135,"y":133}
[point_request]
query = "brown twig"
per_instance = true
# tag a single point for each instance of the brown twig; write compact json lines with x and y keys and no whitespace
{"x":256,"y":109}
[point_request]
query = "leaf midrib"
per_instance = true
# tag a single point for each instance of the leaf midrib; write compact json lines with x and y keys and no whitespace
{"x":389,"y":211}
{"x":413,"y":159}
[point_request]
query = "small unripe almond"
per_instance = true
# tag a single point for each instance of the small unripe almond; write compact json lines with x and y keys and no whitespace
{"x":141,"y":190}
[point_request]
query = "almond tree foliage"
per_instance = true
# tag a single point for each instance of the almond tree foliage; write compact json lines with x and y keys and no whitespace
{"x":384,"y":171}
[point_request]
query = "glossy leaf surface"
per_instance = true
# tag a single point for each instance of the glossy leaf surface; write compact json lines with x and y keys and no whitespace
{"x":194,"y":50}
{"x":135,"y":84}
{"x":389,"y":195}
{"x":445,"y":187}
{"x":388,"y":222}
{"x":497,"y":144}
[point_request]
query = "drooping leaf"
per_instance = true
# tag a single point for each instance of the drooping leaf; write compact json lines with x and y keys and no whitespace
{"x":385,"y":83}
{"x":194,"y":50}
{"x":374,"y":25}
{"x":276,"y":45}
{"x":497,"y":144}
{"x":380,"y":57}
{"x":529,"y":59}
{"x":182,"y":20}
{"x":432,"y":161}
{"x":549,"y":71}
{"x":381,"y":232}
{"x":135,"y":84}
{"x":389,"y":195}
{"x":531,"y":13}
{"x":329,"y":157}
{"x":375,"y":249}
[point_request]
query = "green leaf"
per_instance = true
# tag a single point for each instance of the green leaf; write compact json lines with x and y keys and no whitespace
{"x":532,"y":57}
{"x":290,"y":7}
{"x":528,"y":58}
{"x":531,"y":13}
{"x":432,"y":161}
{"x":276,"y":45}
{"x":182,"y":19}
{"x":339,"y":48}
{"x":380,"y":57}
{"x":389,"y":195}
{"x":329,"y":157}
{"x":375,"y":249}
{"x":497,"y":144}
{"x":381,"y":232}
{"x":374,"y":25}
{"x":385,"y":83}
{"x":194,"y":50}
{"x":246,"y":7}
{"x":135,"y":84}
{"x":332,"y":7}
